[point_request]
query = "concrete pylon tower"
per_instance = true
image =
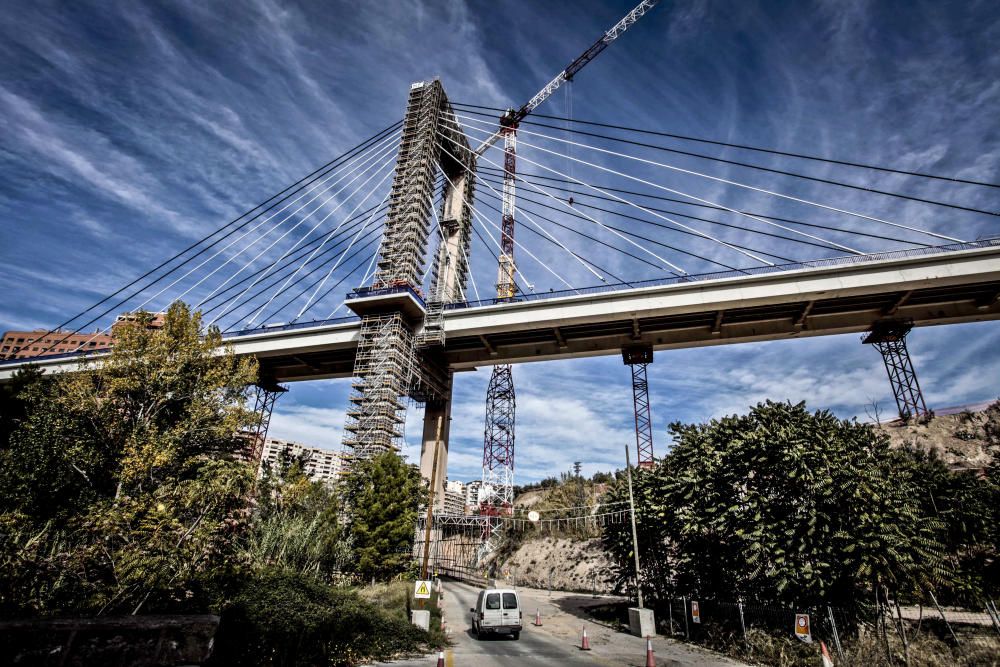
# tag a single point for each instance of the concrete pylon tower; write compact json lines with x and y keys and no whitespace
{"x":399,"y":345}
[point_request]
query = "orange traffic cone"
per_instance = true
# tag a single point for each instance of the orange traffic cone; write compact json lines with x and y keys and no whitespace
{"x":585,"y":641}
{"x":440,"y":659}
{"x":825,"y":655}
{"x":650,"y":660}
{"x":538,"y":617}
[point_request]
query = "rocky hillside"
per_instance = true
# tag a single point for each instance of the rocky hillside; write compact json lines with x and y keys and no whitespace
{"x":567,"y":564}
{"x":963,"y":440}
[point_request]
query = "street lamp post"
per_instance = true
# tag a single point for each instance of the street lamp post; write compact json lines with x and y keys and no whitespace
{"x":640,"y":620}
{"x":635,"y":537}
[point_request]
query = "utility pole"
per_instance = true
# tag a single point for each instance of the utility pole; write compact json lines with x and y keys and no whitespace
{"x":635,"y":537}
{"x":641,"y":621}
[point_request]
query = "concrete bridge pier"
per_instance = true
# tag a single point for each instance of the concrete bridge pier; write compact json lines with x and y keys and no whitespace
{"x":437,"y":415}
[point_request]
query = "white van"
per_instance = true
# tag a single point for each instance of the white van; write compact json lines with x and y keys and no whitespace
{"x":497,"y":610}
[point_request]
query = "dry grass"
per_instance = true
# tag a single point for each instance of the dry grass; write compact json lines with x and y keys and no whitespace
{"x":395,"y":598}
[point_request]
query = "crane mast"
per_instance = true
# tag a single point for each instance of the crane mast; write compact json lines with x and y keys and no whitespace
{"x":498,"y":444}
{"x":506,"y":286}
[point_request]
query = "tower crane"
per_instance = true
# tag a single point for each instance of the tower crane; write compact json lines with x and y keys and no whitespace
{"x":498,"y":444}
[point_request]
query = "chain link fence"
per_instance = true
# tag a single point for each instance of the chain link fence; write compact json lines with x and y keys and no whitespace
{"x":789,"y":636}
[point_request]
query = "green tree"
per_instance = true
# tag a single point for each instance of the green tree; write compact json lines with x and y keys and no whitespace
{"x":779,"y":505}
{"x":120,"y":488}
{"x":381,"y":495}
{"x":966,"y":505}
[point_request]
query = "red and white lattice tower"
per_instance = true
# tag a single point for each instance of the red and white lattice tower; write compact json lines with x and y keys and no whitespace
{"x":498,"y":440}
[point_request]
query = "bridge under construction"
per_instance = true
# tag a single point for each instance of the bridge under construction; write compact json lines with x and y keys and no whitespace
{"x":402,"y":319}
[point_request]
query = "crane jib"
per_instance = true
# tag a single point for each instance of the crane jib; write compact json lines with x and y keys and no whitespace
{"x":574,"y":67}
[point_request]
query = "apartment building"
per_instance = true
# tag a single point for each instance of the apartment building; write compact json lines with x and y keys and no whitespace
{"x":44,"y":343}
{"x":320,"y":465}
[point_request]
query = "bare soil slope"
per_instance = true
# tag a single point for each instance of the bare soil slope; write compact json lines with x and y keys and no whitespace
{"x":964,"y":440}
{"x":570,"y":564}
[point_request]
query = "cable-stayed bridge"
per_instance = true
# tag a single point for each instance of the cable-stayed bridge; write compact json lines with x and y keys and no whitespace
{"x":367,"y":268}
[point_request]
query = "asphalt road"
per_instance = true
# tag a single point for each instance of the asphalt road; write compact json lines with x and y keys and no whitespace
{"x":533,"y":647}
{"x":552,"y":645}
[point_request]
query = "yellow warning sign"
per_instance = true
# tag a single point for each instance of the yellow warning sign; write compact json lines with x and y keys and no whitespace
{"x":422,"y":589}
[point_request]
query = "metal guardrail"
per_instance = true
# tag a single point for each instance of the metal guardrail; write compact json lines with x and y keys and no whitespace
{"x":719,"y":275}
{"x":82,"y":354}
{"x":289,"y":327}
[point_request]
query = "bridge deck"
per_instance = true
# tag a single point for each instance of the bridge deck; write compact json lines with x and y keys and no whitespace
{"x":931,"y":286}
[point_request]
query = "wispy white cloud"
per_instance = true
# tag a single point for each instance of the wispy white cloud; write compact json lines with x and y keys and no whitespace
{"x":119,"y":147}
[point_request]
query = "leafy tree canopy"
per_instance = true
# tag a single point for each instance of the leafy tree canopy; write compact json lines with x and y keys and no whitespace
{"x":780,"y":505}
{"x":381,"y":495}
{"x":119,"y":486}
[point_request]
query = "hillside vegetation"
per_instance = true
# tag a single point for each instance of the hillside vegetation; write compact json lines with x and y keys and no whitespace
{"x":783,"y":510}
{"x":569,"y":557}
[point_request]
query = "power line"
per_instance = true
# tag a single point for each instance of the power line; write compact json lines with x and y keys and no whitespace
{"x":264,"y":206}
{"x":772,"y":170}
{"x":698,"y":205}
{"x":771,"y":151}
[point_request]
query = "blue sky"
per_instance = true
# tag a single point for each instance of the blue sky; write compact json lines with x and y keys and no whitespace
{"x":132,"y":129}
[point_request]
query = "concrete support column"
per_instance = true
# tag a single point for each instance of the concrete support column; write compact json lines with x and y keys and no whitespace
{"x":433,"y":411}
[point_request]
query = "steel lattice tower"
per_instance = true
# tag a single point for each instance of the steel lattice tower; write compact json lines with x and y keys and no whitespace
{"x":498,"y":440}
{"x":265,"y":394}
{"x":638,"y":357}
{"x":498,"y":446}
{"x":889,"y":337}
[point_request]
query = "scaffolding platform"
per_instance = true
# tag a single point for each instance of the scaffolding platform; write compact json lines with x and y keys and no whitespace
{"x":373,"y":301}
